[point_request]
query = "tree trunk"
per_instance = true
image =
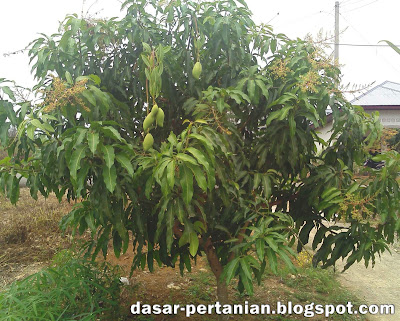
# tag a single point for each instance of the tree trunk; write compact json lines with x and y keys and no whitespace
{"x":222,"y":297}
{"x":216,"y":268}
{"x":222,"y":292}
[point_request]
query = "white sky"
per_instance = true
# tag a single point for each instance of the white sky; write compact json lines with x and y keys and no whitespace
{"x":361,"y":22}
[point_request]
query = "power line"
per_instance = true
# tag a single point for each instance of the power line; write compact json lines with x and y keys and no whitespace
{"x":358,"y":44}
{"x":369,"y":44}
{"x":346,"y":3}
{"x":273,"y":18}
{"x":361,"y":6}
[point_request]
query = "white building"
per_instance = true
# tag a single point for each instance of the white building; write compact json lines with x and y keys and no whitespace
{"x":384,"y":98}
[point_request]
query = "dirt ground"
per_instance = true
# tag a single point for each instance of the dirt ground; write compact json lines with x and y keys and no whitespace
{"x":377,"y":285}
{"x":29,"y":237}
{"x":374,"y":285}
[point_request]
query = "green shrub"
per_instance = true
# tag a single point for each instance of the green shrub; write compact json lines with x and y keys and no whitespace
{"x":75,"y":289}
{"x":394,"y":140}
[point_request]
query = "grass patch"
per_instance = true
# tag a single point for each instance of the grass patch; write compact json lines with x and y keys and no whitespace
{"x":199,"y":287}
{"x":29,"y":234}
{"x":32,"y":226}
{"x":71,"y":289}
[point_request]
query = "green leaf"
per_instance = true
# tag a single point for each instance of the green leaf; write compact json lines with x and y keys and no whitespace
{"x":9,"y":92}
{"x":186,"y":180}
{"x":203,"y":140}
{"x":96,"y":79}
{"x":251,"y":88}
{"x":123,"y":159}
{"x":247,"y":283}
{"x":193,"y":243}
{"x":100,"y":96}
{"x":260,"y":249}
{"x":146,"y":47}
{"x":393,"y":46}
{"x":37,"y":124}
{"x":328,"y":192}
{"x":271,"y":243}
{"x":199,"y":176}
{"x":199,"y":227}
{"x":353,"y":188}
{"x":160,"y":220}
{"x":117,"y":244}
{"x":69,"y":77}
{"x":287,"y":260}
{"x":9,"y":108}
{"x":279,"y":114}
{"x":112,"y":132}
{"x":160,"y":169}
{"x":180,"y":210}
{"x":266,"y":182}
{"x":110,"y":177}
{"x":172,"y":139}
{"x":171,"y":174}
{"x":263,"y":87}
{"x":89,"y":97}
{"x":109,"y":156}
{"x":74,"y":163}
{"x":170,"y":223}
{"x":200,"y":157}
{"x":273,"y":262}
{"x":244,"y":264}
{"x":257,"y":180}
{"x":82,"y":178}
{"x":79,"y":136}
{"x":30,"y":131}
{"x":93,"y":141}
{"x":186,"y":158}
{"x":220,"y":104}
{"x":231,"y":269}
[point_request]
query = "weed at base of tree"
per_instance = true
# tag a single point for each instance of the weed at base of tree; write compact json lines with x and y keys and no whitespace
{"x":71,"y":289}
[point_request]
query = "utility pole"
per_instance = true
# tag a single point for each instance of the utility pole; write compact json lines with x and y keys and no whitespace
{"x":336,"y":32}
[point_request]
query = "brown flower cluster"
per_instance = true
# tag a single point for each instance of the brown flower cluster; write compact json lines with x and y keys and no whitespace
{"x":359,"y":207}
{"x":319,"y":60}
{"x":309,"y":81}
{"x":61,"y":95}
{"x":279,"y":68}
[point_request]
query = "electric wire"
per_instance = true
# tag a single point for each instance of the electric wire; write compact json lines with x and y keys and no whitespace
{"x":346,"y":3}
{"x":365,"y":5}
{"x":358,"y":44}
{"x":369,"y":44}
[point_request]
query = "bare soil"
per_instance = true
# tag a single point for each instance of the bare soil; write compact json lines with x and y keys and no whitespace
{"x":30,"y":236}
{"x":166,"y":286}
{"x":376,"y":285}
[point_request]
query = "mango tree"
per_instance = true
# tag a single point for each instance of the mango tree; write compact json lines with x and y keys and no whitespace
{"x":189,"y":130}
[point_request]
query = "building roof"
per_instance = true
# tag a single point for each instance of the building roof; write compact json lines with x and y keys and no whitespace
{"x":385,"y":94}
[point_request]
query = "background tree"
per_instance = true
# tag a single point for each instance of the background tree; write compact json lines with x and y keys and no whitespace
{"x":231,"y":172}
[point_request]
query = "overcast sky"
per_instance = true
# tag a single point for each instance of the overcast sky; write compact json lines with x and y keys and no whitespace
{"x":362,"y":22}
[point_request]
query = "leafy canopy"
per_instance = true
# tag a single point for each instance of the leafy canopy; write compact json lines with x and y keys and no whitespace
{"x":234,"y":171}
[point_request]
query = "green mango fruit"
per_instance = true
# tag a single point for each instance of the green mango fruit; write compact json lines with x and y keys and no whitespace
{"x":160,"y":118}
{"x":154,"y":110}
{"x":148,"y":121}
{"x":148,"y":142}
{"x":197,"y":69}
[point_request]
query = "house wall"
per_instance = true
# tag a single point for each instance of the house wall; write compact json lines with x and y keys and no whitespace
{"x":325,"y":134}
{"x":389,"y":118}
